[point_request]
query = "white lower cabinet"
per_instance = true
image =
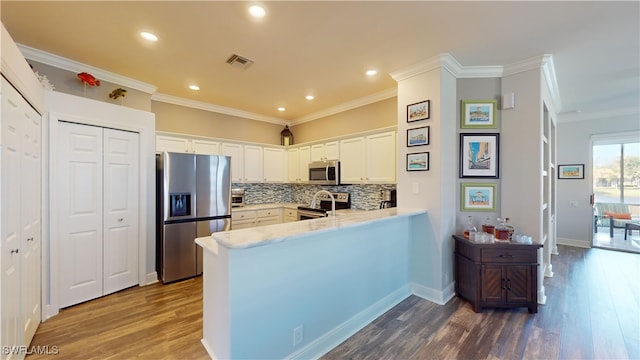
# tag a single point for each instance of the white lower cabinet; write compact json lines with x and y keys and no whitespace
{"x":20,"y":222}
{"x":289,"y":215}
{"x":268,"y":217}
{"x":242,"y":219}
{"x":245,"y":218}
{"x":98,"y":211}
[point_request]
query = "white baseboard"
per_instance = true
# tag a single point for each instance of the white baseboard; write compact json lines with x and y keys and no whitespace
{"x":342,"y":332}
{"x":150,"y":278}
{"x":574,"y":242}
{"x":436,"y":296}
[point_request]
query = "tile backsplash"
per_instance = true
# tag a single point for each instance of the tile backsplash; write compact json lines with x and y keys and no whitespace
{"x":364,"y":197}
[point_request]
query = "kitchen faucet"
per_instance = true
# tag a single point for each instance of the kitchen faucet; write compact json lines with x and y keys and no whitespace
{"x":333,"y":201}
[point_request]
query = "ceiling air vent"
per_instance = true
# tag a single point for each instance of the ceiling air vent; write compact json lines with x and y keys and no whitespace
{"x":239,"y":61}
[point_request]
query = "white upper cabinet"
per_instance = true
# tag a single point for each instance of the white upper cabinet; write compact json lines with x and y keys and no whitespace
{"x":332,"y":150}
{"x":253,"y":164}
{"x":275,"y":165}
{"x":303,"y":163}
{"x":172,"y":144}
{"x":369,"y":160}
{"x":352,"y":160}
{"x":294,"y":158}
{"x":205,"y":147}
{"x":317,"y":152}
{"x":327,"y":151}
{"x":381,"y":158}
{"x":236,"y":152}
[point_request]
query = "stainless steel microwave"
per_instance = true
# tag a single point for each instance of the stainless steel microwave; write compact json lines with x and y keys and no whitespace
{"x":324,"y":172}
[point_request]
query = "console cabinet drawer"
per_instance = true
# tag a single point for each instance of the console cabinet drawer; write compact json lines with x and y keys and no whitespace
{"x":508,"y":256}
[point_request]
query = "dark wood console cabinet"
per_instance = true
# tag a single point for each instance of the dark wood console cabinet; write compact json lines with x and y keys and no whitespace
{"x":497,"y":274}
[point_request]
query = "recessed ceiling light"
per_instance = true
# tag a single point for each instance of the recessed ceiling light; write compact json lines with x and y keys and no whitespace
{"x":148,"y":36}
{"x":194,"y":87}
{"x":257,"y":11}
{"x":281,"y":109}
{"x":371,"y":72}
{"x":309,"y":97}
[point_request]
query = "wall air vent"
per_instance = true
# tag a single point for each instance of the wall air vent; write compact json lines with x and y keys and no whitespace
{"x":239,"y":61}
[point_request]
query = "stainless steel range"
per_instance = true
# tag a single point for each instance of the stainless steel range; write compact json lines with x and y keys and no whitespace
{"x":343,"y":201}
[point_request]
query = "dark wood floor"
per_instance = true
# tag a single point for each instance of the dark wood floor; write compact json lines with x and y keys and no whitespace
{"x":592,"y":312}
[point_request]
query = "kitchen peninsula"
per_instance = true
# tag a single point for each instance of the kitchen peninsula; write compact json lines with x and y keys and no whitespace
{"x":298,"y":289}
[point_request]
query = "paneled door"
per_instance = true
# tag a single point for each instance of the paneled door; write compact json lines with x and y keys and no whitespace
{"x":11,"y":229}
{"x":80,"y":212}
{"x":98,"y":224}
{"x":120,"y":242}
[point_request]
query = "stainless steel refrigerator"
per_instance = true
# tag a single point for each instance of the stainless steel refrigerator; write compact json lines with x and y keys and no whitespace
{"x":193,"y":200}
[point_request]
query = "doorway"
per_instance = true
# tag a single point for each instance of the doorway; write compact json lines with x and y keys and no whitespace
{"x":616,"y":192}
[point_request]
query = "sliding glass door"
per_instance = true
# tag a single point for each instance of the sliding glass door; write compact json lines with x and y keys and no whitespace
{"x":616,"y":172}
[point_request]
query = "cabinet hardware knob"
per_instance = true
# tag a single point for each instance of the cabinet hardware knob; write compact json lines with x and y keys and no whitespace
{"x":505,"y":256}
{"x":15,"y":251}
{"x":120,"y":219}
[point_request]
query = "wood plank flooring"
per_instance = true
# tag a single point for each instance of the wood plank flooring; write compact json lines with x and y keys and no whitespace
{"x":592,"y":312}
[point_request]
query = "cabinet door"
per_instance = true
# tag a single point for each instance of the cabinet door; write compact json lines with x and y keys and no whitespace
{"x":253,"y":171}
{"x":519,"y":285}
{"x":352,"y":161}
{"x":275,"y":165}
{"x":493,"y":284}
{"x":172,"y":144}
{"x":205,"y":147}
{"x":303,"y":165}
{"x":317,"y":152}
{"x":294,"y":166}
{"x":332,"y":150}
{"x":381,"y":158}
{"x":236,"y":152}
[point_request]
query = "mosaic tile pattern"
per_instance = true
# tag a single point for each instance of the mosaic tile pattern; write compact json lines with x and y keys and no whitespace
{"x":363,"y":197}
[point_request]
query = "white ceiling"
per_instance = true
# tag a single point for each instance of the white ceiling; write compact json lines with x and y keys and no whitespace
{"x":324,"y":47}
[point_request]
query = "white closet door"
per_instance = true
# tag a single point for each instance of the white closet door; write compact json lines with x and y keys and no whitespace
{"x":80,"y":212}
{"x":120,"y":243}
{"x":31,"y":225}
{"x":10,"y":228}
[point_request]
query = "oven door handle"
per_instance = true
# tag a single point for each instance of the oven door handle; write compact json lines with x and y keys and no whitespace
{"x":326,"y":173}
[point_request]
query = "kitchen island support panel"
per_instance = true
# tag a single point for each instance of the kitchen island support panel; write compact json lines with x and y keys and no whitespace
{"x":331,"y":282}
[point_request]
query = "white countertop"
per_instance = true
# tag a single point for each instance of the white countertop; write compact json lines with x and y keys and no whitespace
{"x":264,"y":235}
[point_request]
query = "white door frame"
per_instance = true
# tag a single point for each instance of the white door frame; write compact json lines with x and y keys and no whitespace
{"x":64,"y":107}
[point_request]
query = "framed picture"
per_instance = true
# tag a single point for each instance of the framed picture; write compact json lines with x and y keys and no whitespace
{"x":418,"y":161}
{"x":478,"y":114}
{"x":478,"y":197}
{"x":479,"y":155}
{"x":571,"y":171}
{"x":418,"y":136}
{"x":418,"y":111}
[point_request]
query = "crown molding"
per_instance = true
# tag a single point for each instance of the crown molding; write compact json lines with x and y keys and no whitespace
{"x":449,"y":63}
{"x":382,"y":95}
{"x":599,"y":115}
{"x":76,"y":67}
{"x":170,"y":99}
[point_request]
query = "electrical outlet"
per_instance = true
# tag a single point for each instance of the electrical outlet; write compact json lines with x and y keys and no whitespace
{"x":297,"y":335}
